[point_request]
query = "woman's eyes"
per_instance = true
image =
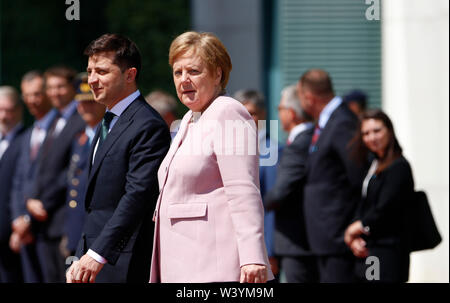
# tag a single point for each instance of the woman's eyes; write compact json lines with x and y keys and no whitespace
{"x":191,"y":72}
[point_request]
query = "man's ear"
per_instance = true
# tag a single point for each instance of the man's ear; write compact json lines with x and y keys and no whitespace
{"x":131,"y":74}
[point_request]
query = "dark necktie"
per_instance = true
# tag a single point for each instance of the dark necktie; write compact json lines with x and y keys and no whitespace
{"x":312,"y":146}
{"x":106,"y":122}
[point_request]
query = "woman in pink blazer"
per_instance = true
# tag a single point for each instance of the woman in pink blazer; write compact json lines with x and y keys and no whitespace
{"x":209,"y":214}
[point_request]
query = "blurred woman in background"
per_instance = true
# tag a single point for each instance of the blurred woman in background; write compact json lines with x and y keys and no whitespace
{"x":379,"y":229}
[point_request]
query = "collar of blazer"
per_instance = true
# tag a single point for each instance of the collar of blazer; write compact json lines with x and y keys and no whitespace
{"x":121,"y":125}
{"x":334,"y":115}
{"x":172,"y":151}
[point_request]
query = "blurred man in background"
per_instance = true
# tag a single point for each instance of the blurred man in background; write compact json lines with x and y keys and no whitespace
{"x":11,"y":129}
{"x":356,"y":100}
{"x":166,"y":105}
{"x":22,"y":238}
{"x":46,"y":202}
{"x":286,"y":197}
{"x":332,"y":189}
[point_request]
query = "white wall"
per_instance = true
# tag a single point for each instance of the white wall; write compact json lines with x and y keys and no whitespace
{"x":415,"y":51}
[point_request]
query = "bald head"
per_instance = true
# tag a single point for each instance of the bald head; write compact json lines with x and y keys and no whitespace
{"x":315,"y":90}
{"x":318,"y":82}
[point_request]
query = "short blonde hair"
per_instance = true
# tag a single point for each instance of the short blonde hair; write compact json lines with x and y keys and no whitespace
{"x":210,"y":49}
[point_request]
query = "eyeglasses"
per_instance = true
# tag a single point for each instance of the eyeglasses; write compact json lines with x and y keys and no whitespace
{"x":280,"y":107}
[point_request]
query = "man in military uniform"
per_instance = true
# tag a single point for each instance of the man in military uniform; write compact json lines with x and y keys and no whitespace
{"x":92,"y":113}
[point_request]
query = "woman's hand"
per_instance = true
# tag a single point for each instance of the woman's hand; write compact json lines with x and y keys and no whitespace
{"x":353,"y":231}
{"x":359,"y":249}
{"x":253,"y":273}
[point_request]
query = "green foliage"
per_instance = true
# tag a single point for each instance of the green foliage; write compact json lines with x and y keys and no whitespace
{"x":36,"y":35}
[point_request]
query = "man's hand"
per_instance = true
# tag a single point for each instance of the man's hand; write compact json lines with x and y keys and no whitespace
{"x":37,"y":210}
{"x":83,"y":271}
{"x":253,"y":273}
{"x":20,"y":225}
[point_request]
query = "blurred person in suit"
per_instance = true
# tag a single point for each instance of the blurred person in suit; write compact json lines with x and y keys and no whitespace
{"x":125,"y":155}
{"x":166,"y":105}
{"x":47,"y":198}
{"x":92,"y":113}
{"x":209,"y":215}
{"x":333,"y":182}
{"x":380,"y":226}
{"x":356,"y":100}
{"x":11,"y":130}
{"x":22,"y":239}
{"x":254,"y":102}
{"x":286,"y":197}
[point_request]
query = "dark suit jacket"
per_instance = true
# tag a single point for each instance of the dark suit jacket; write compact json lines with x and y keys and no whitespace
{"x":384,"y":208}
{"x":121,"y":194}
{"x":333,"y":185}
{"x":51,"y":183}
{"x":286,"y":198}
{"x":8,"y":164}
{"x":385,"y":211}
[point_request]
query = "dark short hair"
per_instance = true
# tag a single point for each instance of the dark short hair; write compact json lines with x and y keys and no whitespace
{"x":126,"y":52}
{"x":317,"y":81}
{"x":62,"y":71}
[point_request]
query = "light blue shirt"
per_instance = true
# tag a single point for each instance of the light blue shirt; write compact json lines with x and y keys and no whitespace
{"x":121,"y":106}
{"x":328,"y":110}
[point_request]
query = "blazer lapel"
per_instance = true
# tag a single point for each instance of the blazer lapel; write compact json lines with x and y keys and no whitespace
{"x":180,"y":136}
{"x":121,"y":125}
{"x":94,"y":143}
{"x":171,"y":153}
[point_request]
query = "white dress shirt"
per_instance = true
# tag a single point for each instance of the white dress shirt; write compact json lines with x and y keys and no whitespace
{"x":299,"y":129}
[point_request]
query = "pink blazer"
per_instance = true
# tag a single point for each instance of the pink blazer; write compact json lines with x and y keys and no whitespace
{"x":209,"y":214}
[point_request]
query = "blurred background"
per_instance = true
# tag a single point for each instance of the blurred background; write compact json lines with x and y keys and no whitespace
{"x":397,"y":52}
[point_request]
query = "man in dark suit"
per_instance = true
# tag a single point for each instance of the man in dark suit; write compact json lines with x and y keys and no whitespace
{"x":122,"y":186}
{"x":46,"y":202}
{"x":22,"y":238}
{"x":11,"y":130}
{"x":291,"y":244}
{"x":333,"y":183}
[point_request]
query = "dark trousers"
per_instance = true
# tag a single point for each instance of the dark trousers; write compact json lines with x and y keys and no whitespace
{"x":336,"y":269}
{"x":10,"y":269}
{"x":30,"y":264}
{"x":51,"y":260}
{"x":300,"y":269}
